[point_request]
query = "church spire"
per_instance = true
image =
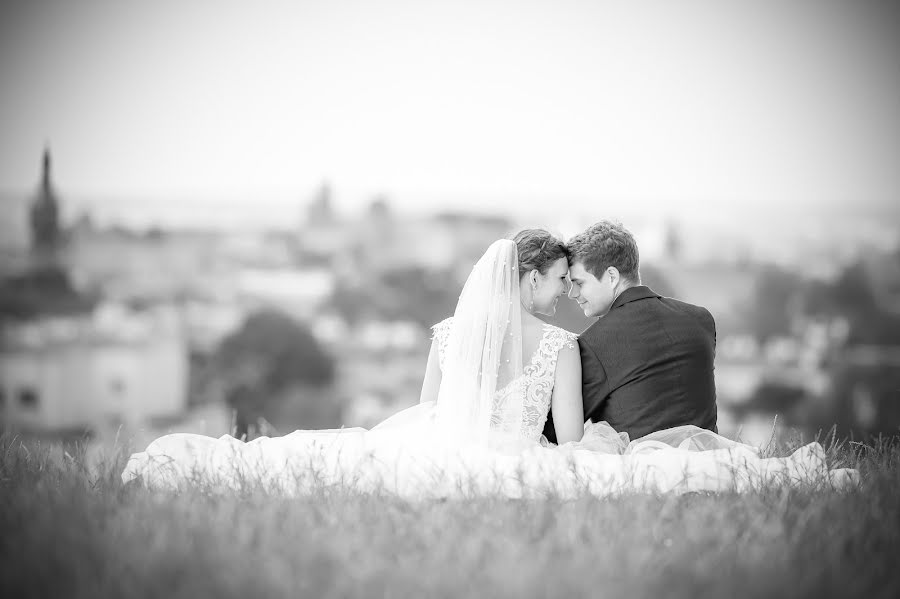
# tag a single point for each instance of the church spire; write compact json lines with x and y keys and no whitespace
{"x":45,"y":173}
{"x":45,"y":230}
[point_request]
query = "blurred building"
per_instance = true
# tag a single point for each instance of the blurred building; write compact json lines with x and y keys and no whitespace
{"x":296,"y":292}
{"x":104,"y":366}
{"x":14,"y":232}
{"x":71,"y":359}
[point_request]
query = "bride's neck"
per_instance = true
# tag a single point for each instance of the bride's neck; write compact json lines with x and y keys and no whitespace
{"x":529,"y":319}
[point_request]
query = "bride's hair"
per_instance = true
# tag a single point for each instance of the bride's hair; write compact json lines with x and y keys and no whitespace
{"x":538,"y":249}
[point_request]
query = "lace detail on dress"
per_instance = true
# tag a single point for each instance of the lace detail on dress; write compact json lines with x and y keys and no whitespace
{"x":539,"y":376}
{"x":442,"y":335}
{"x":536,"y":381}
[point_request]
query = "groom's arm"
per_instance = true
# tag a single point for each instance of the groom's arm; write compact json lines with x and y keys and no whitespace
{"x":594,"y":382}
{"x":712,"y":326}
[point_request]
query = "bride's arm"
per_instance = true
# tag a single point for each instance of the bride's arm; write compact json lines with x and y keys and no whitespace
{"x":432,"y":381}
{"x":568,"y":411}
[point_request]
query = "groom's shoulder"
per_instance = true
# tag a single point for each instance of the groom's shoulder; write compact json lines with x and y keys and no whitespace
{"x":599,"y":329}
{"x":626,"y":316}
{"x":698,"y":314}
{"x":683,"y":306}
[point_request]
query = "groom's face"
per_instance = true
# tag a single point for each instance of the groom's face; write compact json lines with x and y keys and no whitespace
{"x":595,"y":296}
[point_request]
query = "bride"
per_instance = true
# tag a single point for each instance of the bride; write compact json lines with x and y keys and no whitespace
{"x":494,"y":372}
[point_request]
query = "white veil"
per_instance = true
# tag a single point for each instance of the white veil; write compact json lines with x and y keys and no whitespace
{"x":480,"y":399}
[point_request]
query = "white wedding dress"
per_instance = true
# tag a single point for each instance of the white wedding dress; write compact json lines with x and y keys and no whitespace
{"x":483,"y":435}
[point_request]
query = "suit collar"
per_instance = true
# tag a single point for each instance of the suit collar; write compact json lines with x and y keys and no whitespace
{"x":633,"y":294}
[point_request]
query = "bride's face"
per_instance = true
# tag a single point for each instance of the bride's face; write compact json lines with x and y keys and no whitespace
{"x":550,"y":287}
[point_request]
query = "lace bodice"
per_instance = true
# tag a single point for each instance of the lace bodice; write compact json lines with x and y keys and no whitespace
{"x":536,"y":381}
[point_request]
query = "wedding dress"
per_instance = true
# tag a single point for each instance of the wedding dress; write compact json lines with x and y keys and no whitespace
{"x":482,"y":436}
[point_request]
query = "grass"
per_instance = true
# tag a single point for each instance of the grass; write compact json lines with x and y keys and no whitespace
{"x":69,"y":530}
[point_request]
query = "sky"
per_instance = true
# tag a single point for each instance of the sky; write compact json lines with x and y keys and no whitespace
{"x":672,"y":106}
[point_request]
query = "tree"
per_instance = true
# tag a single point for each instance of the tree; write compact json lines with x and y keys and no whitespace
{"x":270,"y":354}
{"x":409,"y":293}
{"x":852,"y":297}
{"x":776,"y":295}
{"x":785,"y":399}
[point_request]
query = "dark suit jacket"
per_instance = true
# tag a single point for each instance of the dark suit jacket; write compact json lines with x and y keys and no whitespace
{"x":648,"y":365}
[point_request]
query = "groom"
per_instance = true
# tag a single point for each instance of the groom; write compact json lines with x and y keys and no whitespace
{"x":647,"y":363}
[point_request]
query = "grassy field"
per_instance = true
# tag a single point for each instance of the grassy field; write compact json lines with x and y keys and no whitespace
{"x":71,"y":531}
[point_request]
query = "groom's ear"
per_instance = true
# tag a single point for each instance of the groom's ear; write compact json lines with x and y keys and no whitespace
{"x":614,"y":276}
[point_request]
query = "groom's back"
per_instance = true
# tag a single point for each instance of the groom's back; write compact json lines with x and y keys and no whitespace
{"x":648,"y":365}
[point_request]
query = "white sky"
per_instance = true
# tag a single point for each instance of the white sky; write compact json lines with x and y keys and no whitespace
{"x":675,"y":105}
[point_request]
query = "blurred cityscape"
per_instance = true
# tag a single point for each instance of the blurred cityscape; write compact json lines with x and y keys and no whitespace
{"x":124,"y":332}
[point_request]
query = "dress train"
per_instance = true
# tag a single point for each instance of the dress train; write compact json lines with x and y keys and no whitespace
{"x":406,"y":455}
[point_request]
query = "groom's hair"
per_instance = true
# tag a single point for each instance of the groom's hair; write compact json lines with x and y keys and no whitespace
{"x":606,"y":244}
{"x":538,"y":249}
